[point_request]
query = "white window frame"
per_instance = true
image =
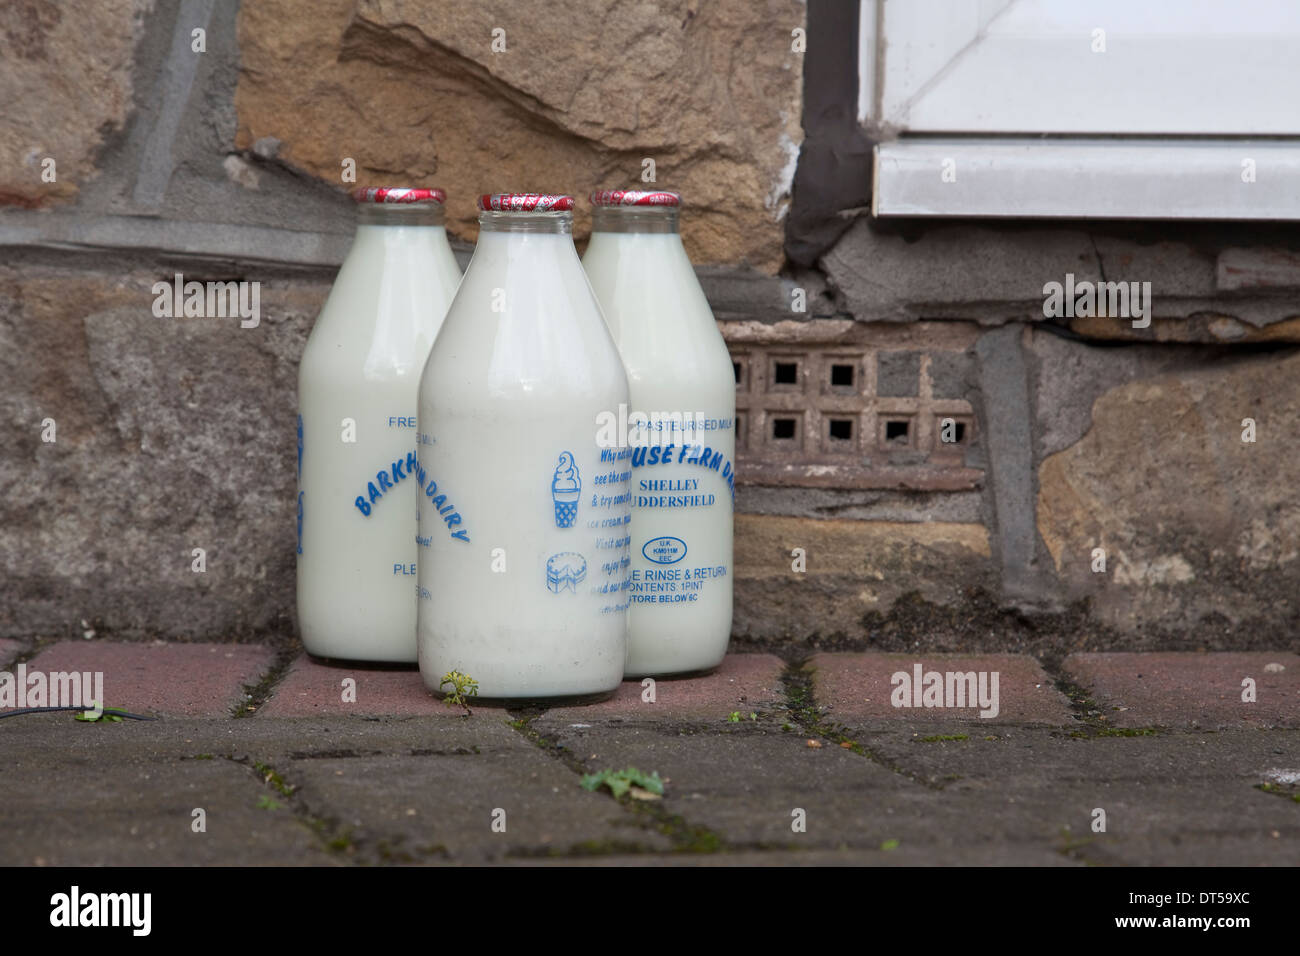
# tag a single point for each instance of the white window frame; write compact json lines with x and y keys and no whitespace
{"x":1190,"y":115}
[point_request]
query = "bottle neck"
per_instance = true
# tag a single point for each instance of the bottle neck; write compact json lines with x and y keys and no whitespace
{"x":400,"y":214}
{"x":552,"y":223}
{"x":653,"y":219}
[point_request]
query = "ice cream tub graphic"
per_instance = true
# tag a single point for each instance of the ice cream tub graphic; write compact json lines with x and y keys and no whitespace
{"x":565,"y":571}
{"x":566,"y":489}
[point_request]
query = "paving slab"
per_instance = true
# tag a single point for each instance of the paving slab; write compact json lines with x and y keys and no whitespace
{"x":955,"y":801}
{"x":392,"y":790}
{"x":858,"y":686}
{"x":194,"y":680}
{"x":312,"y":688}
{"x":474,"y":792}
{"x":1195,"y":849}
{"x":746,"y":783}
{"x":1174,"y":689}
{"x":1159,"y":791}
{"x":742,"y":682}
{"x":92,"y":796}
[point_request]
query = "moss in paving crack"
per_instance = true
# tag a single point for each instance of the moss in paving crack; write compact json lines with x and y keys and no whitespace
{"x":271,"y":777}
{"x":338,"y":840}
{"x":797,"y":681}
{"x":255,"y":695}
{"x":524,"y":725}
{"x":332,"y":754}
{"x":942,"y":738}
{"x":1094,"y":733}
{"x":1071,"y":847}
{"x":1086,"y":710}
{"x":390,"y":850}
{"x":1279,"y":791}
{"x":686,"y":837}
{"x":1128,"y":732}
{"x":389,"y":855}
{"x":586,"y":848}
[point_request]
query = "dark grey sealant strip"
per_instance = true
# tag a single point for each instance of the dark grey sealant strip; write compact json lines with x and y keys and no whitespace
{"x":156,"y":160}
{"x":1008,"y":437}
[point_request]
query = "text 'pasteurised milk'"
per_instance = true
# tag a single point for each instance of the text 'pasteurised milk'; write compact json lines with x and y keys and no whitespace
{"x":523,"y":518}
{"x":681,"y":428}
{"x":356,"y":428}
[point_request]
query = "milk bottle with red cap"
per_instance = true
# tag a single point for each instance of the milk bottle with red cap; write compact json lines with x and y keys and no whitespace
{"x":356,"y":428}
{"x":681,"y":427}
{"x":523,"y":517}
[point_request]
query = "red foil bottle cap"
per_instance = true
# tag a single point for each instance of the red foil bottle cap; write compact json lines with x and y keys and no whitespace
{"x":396,"y":194}
{"x":634,"y":197}
{"x":524,"y":202}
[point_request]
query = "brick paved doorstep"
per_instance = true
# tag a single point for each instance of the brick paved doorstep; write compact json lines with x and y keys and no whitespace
{"x":743,"y":680}
{"x":1189,"y":689}
{"x":750,"y":682}
{"x":188,"y":680}
{"x":312,"y":689}
{"x":858,"y":686}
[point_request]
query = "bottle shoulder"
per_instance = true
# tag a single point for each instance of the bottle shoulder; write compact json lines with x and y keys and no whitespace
{"x":383,"y":310}
{"x":520,"y":335}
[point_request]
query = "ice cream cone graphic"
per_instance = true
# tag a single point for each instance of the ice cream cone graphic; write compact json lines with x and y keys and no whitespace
{"x":566,"y":489}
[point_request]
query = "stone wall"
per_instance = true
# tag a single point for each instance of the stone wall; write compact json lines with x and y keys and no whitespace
{"x":227,"y":163}
{"x":565,"y":97}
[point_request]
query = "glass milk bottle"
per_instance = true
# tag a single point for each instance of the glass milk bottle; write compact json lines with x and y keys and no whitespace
{"x":523,"y":517}
{"x":681,"y":427}
{"x":356,"y":428}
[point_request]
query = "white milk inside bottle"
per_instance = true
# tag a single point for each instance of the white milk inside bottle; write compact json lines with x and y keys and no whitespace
{"x":356,"y":428}
{"x":523,"y":518}
{"x":681,"y":426}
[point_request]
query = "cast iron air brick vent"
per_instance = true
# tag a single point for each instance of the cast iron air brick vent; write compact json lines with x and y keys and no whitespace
{"x":840,"y":404}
